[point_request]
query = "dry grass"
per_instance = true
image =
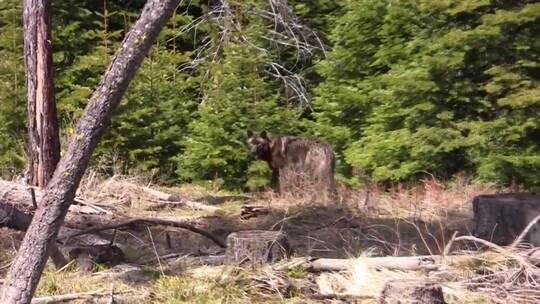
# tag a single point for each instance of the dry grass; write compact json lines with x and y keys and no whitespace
{"x":369,"y":221}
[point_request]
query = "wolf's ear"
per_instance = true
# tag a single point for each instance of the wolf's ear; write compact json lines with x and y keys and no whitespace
{"x":264,"y":135}
{"x":249,"y":133}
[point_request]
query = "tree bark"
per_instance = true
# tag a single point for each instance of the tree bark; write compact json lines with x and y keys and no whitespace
{"x":43,"y":137}
{"x":24,"y":274}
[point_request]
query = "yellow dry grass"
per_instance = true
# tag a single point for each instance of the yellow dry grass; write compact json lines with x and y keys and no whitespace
{"x":362,"y":222}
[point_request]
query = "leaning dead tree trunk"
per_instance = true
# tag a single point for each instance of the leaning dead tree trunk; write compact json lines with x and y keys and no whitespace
{"x":28,"y":265}
{"x":43,"y":138}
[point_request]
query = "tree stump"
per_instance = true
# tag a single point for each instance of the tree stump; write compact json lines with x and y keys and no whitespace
{"x":256,"y":247}
{"x":500,"y":218}
{"x":411,"y":292}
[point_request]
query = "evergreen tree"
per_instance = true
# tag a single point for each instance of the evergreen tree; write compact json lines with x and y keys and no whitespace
{"x":236,"y":100}
{"x":434,"y":86}
{"x":12,"y":90}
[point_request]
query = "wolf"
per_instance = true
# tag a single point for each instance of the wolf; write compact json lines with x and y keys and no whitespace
{"x":292,"y":158}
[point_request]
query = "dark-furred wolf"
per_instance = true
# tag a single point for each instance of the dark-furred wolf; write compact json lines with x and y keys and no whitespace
{"x":295,"y":161}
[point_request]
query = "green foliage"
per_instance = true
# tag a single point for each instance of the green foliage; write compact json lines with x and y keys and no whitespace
{"x":12,"y":90}
{"x":237,"y":99}
{"x":404,"y":87}
{"x":415,"y":86}
{"x":152,"y":119}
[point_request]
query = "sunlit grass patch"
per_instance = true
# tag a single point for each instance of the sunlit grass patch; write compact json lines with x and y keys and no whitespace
{"x":54,"y":282}
{"x":227,"y":288}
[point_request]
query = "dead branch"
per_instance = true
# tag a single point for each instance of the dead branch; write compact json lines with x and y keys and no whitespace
{"x":523,"y":234}
{"x":286,"y":31}
{"x":67,"y":297}
{"x":151,"y":222}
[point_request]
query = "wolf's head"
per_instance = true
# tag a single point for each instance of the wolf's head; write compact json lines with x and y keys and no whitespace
{"x":259,"y":144}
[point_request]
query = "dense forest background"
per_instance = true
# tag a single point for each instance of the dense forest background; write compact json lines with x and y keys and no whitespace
{"x":400,"y":88}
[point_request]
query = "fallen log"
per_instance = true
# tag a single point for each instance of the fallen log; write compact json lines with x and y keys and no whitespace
{"x":13,"y":218}
{"x":404,"y":263}
{"x":19,"y":195}
{"x":169,"y":200}
{"x":25,"y":198}
{"x":147,"y":221}
{"x":426,"y":262}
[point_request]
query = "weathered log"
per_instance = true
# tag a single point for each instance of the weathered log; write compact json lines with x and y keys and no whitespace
{"x":500,"y":218}
{"x":404,"y":263}
{"x":256,"y":247}
{"x":411,"y":292}
{"x":425,"y":262}
{"x":13,"y":218}
{"x":19,"y":195}
{"x":169,"y":200}
{"x":23,"y":197}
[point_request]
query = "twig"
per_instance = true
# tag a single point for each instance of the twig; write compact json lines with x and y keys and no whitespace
{"x":78,"y":201}
{"x":481,"y":241}
{"x":155,"y":250}
{"x":449,"y":245}
{"x":67,"y":297}
{"x":33,"y":194}
{"x":525,"y":231}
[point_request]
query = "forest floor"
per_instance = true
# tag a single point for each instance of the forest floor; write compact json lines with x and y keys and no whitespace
{"x":163,"y":264}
